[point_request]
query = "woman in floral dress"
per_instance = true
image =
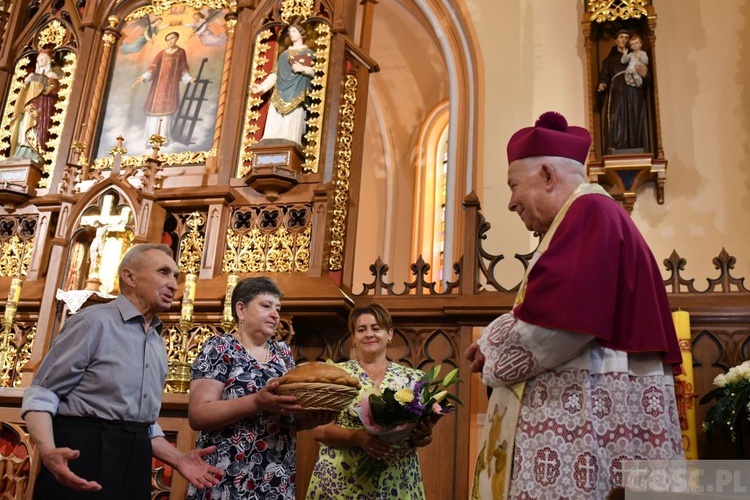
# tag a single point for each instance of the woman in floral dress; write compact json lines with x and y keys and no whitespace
{"x":234,"y":406}
{"x":345,"y":441}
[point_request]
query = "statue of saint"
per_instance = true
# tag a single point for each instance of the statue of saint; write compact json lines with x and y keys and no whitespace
{"x":624,"y":111}
{"x":291,"y":80}
{"x":34,"y":109}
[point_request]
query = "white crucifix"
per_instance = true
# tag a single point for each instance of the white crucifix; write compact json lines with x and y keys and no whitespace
{"x":104,"y":223}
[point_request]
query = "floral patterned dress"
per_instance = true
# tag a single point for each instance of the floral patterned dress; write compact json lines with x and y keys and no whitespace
{"x":334,"y":473}
{"x":257,"y":454}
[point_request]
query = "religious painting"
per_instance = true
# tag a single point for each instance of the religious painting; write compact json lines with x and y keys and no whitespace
{"x":37,"y":99}
{"x":286,"y":91}
{"x":166,"y":79}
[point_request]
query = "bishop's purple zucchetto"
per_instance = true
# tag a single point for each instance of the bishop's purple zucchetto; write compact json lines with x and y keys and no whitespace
{"x":550,"y":136}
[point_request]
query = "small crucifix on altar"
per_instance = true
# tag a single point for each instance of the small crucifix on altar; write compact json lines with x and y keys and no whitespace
{"x":104,"y":223}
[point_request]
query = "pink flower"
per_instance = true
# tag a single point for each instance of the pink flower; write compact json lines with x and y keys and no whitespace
{"x":437,"y":409}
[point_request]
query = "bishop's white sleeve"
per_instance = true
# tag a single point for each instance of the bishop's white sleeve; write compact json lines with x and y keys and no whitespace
{"x":515,"y":350}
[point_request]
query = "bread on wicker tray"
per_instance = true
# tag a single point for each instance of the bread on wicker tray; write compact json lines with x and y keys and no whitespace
{"x":319,"y":386}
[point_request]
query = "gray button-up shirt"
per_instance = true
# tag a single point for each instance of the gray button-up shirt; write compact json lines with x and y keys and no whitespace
{"x":104,"y":365}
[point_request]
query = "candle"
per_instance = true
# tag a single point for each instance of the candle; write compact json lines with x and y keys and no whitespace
{"x":188,"y":297}
{"x":685,"y":387}
{"x":232,"y":281}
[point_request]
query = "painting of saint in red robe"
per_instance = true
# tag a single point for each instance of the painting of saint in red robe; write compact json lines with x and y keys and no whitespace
{"x":165,"y":81}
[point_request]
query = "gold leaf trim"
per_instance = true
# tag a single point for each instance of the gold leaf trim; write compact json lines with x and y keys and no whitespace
{"x":341,"y":183}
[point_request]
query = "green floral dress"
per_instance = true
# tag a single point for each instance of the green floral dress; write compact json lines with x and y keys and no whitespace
{"x":334,"y":474}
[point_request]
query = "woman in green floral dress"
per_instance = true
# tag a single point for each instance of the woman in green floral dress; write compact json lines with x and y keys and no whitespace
{"x":345,"y":441}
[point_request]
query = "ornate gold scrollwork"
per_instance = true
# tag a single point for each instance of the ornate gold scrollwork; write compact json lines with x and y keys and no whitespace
{"x":158,"y":7}
{"x":109,"y":39}
{"x":184,"y":158}
{"x":341,"y":190}
{"x":191,"y":245}
{"x":611,"y":10}
{"x":16,"y":244}
{"x":183,"y":345}
{"x":15,"y":351}
{"x":296,"y":8}
{"x":317,"y":97}
{"x":269,"y":239}
{"x":52,"y":34}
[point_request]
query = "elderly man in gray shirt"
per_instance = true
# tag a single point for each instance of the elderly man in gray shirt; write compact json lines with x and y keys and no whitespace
{"x":92,"y":407}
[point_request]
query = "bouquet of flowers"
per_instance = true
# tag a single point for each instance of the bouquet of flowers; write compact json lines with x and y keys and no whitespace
{"x":732,"y":395}
{"x":392,"y":414}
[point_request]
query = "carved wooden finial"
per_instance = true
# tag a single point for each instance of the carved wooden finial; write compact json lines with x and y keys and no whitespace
{"x":117,"y":152}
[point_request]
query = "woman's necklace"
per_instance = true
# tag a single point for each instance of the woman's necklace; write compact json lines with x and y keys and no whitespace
{"x":265,"y":351}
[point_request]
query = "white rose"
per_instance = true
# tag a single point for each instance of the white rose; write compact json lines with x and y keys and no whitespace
{"x":720,"y":380}
{"x":733,"y":375}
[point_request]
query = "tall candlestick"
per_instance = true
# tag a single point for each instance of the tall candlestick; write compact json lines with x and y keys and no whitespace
{"x":228,"y":318}
{"x":14,"y":295}
{"x":188,"y":298}
{"x":685,"y":386}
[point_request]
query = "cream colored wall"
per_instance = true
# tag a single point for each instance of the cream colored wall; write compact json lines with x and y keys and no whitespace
{"x":533,"y":61}
{"x":704,"y":82}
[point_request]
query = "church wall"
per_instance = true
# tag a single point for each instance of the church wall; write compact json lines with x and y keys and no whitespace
{"x":533,"y":61}
{"x":705,"y":119}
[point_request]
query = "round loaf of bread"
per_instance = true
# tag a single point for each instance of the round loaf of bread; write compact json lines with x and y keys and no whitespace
{"x":318,"y":372}
{"x":319,"y":386}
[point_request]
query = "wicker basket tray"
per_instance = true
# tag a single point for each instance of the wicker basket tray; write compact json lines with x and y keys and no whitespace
{"x":320,"y":396}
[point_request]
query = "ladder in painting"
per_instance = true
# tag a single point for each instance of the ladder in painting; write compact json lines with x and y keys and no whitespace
{"x":188,"y":114}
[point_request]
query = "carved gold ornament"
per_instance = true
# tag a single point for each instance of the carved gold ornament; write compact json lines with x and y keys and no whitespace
{"x":191,"y":245}
{"x":109,"y":39}
{"x":15,"y":351}
{"x":183,"y":343}
{"x":341,"y":190}
{"x":268,"y":239}
{"x":16,"y":85}
{"x":296,"y":8}
{"x":158,"y":7}
{"x":317,"y":97}
{"x":184,"y":158}
{"x":257,"y":73}
{"x":15,"y":257}
{"x":16,"y":244}
{"x":611,"y":10}
{"x":52,"y":34}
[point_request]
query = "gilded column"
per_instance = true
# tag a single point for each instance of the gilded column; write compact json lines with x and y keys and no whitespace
{"x":341,"y":183}
{"x":231,"y":25}
{"x":109,"y":38}
{"x":7,"y":357}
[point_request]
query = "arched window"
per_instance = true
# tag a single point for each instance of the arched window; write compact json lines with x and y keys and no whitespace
{"x":431,"y":191}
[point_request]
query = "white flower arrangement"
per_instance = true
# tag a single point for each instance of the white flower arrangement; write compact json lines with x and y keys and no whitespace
{"x":732,"y":396}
